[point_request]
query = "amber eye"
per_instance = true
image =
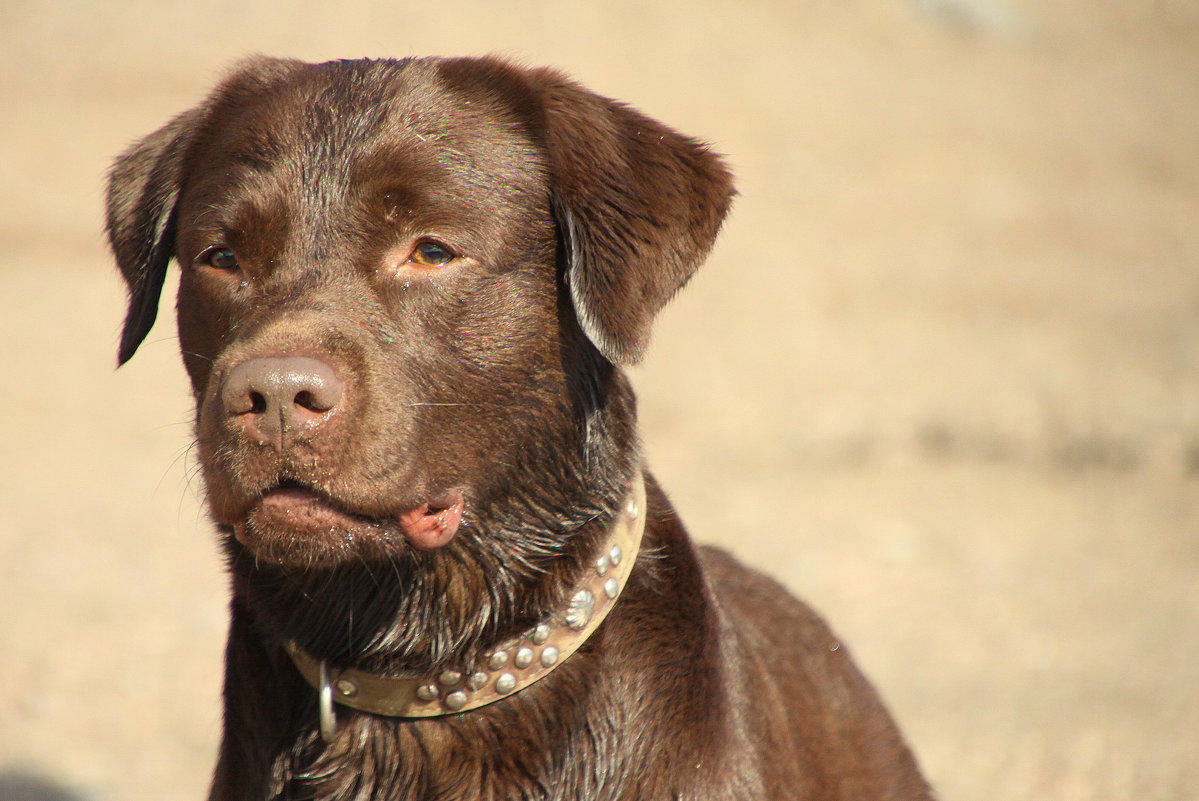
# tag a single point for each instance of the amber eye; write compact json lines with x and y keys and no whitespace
{"x":432,"y":254}
{"x":221,"y":258}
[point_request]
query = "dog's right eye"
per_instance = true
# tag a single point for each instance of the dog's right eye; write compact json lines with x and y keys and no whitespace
{"x":220,"y":258}
{"x":432,"y":254}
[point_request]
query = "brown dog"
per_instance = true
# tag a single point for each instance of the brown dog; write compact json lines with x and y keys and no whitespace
{"x":407,"y":291}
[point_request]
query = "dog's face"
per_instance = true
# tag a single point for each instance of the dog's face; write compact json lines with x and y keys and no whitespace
{"x":404,"y":288}
{"x":400,"y":235}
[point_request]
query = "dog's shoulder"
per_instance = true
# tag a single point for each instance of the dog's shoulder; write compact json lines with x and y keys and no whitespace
{"x":801,"y":687}
{"x":764,"y":603}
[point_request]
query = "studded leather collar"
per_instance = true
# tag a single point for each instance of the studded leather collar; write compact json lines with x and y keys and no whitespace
{"x":506,"y":669}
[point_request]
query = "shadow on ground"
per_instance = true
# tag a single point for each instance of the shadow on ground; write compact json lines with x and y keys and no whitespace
{"x":20,"y":786}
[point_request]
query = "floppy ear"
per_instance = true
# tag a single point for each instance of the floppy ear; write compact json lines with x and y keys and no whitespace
{"x":143,"y":187}
{"x":638,"y":204}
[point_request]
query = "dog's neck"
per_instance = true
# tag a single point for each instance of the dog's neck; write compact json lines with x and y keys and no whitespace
{"x":504,"y":670}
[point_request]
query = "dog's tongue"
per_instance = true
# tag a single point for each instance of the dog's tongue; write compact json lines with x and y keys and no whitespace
{"x":428,"y":527}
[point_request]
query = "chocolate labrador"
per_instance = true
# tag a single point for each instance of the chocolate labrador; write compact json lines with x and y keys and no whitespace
{"x":408,"y":289}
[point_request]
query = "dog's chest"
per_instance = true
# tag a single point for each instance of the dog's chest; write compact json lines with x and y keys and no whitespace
{"x":386,"y":760}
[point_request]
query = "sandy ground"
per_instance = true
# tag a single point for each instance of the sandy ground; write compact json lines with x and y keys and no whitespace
{"x":939,"y":376}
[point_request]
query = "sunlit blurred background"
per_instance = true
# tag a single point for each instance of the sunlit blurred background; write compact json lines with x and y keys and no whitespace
{"x":939,"y":376}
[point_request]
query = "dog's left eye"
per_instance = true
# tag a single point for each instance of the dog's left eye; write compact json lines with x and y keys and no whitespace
{"x":220,"y":258}
{"x":432,"y":254}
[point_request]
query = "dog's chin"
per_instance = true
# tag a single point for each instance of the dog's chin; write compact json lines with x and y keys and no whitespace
{"x":295,"y":527}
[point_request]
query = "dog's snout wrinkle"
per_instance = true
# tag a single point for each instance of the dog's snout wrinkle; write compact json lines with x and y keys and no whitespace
{"x":274,"y":398}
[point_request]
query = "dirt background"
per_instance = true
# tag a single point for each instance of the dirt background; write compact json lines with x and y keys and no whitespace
{"x":939,"y":375}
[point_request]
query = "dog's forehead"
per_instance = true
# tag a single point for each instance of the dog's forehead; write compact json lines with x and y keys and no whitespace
{"x":312,"y":156}
{"x":364,"y":120}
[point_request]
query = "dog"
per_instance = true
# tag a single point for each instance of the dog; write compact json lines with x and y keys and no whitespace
{"x":408,"y":289}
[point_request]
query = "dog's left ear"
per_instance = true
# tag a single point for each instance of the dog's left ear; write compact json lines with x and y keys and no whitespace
{"x":639,"y":206}
{"x":143,"y":188}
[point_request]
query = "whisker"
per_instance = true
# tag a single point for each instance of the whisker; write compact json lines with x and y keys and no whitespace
{"x":484,"y":405}
{"x":165,"y":426}
{"x":163,"y":338}
{"x":195,"y":355}
{"x":181,"y":455}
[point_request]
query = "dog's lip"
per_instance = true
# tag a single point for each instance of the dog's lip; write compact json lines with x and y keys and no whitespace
{"x":292,"y":496}
{"x":428,"y":525}
{"x":433,"y":524}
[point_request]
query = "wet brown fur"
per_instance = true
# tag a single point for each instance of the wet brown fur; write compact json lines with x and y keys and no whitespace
{"x":576,"y":218}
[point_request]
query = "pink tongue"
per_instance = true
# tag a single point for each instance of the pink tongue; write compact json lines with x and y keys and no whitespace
{"x":428,"y":529}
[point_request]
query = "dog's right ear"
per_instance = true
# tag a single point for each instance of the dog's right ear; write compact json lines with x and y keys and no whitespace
{"x":143,"y":187}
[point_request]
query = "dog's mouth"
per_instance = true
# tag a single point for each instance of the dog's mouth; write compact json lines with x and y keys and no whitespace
{"x":292,"y":522}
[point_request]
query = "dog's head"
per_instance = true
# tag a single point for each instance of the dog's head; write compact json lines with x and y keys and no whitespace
{"x":404,"y":289}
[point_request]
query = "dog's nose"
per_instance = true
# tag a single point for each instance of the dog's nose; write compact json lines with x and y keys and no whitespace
{"x":276,"y":398}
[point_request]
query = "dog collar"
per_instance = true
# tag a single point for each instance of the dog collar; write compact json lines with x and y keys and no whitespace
{"x":504,"y":670}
